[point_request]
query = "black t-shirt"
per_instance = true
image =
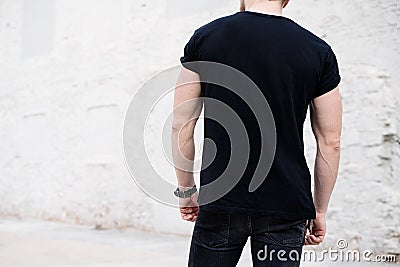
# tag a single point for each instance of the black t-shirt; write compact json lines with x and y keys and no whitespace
{"x":291,"y":66}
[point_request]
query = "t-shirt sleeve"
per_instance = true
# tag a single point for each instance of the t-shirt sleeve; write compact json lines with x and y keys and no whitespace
{"x":330,"y":76}
{"x":190,"y":54}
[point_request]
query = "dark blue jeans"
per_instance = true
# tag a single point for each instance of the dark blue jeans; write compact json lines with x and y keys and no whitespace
{"x":219,"y":237}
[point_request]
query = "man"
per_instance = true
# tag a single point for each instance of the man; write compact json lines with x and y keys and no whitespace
{"x":294,"y":69}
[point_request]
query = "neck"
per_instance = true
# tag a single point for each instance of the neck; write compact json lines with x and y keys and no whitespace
{"x":266,"y":7}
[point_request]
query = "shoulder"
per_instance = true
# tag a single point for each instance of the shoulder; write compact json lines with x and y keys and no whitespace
{"x":215,"y":24}
{"x":314,"y":39}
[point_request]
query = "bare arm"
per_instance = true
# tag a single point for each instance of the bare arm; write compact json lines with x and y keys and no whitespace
{"x":326,"y":122}
{"x":187,"y":109}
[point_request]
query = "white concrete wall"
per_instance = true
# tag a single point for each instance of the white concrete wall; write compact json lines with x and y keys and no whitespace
{"x":69,"y":68}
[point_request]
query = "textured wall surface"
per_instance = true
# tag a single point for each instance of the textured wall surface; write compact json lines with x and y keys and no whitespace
{"x":64,"y":91}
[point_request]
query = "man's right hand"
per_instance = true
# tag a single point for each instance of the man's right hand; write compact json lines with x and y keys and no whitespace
{"x":318,"y":231}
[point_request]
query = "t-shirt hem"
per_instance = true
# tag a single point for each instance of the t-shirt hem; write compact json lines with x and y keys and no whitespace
{"x":190,"y":65}
{"x":260,"y":212}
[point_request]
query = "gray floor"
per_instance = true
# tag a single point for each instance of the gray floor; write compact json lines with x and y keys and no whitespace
{"x":43,"y":244}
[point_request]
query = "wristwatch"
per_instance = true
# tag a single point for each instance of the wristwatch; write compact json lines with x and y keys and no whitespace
{"x":185,"y":193}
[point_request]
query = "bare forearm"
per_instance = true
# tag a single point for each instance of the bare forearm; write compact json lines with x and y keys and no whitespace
{"x":325,"y":174}
{"x":187,"y":109}
{"x":183,"y":150}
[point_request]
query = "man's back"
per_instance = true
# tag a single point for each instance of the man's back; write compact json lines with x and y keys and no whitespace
{"x":291,"y":66}
{"x":291,"y":69}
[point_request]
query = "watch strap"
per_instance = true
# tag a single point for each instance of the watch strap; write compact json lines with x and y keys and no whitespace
{"x":185,"y":193}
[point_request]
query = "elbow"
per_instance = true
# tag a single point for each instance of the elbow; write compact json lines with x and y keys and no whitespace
{"x":335,"y":144}
{"x":185,"y":130}
{"x":179,"y":125}
{"x":332,"y":143}
{"x":176,"y":127}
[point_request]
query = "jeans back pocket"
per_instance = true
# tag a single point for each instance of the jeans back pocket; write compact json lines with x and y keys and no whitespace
{"x":212,"y":228}
{"x":287,"y":234}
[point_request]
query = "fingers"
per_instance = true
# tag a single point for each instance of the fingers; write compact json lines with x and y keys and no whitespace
{"x":188,"y":205}
{"x":312,"y":239}
{"x":189,"y":214}
{"x":192,"y":218}
{"x":189,"y":217}
{"x":189,"y":210}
